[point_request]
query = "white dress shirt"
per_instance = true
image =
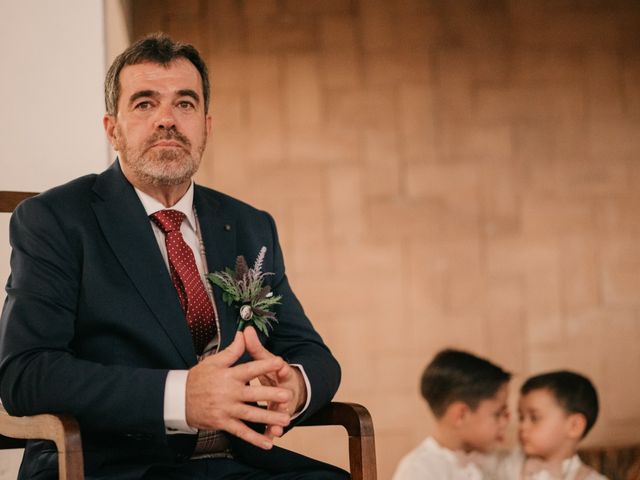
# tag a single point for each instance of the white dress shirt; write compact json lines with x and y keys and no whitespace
{"x":431,"y":461}
{"x":176,"y":384}
{"x":512,"y":466}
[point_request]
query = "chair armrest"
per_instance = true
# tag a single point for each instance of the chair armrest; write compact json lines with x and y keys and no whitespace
{"x":63,"y":430}
{"x":357,"y":421}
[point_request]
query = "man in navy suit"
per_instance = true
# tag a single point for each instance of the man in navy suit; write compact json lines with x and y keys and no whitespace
{"x":94,"y":326}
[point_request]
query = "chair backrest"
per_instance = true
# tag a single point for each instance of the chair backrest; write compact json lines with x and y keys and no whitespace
{"x":63,"y":430}
{"x":10,"y":200}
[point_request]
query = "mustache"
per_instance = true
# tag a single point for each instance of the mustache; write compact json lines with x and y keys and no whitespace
{"x":170,"y":134}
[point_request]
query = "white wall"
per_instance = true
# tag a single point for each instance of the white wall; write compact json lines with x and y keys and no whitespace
{"x":51,"y":105}
{"x":53,"y":62}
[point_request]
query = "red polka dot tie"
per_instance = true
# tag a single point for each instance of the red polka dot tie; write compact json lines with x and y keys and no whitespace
{"x":193,"y":297}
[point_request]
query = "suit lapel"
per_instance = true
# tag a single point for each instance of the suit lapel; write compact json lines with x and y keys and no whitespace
{"x":218,"y":229}
{"x":124,"y":224}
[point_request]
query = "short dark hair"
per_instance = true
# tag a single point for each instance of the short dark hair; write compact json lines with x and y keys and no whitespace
{"x":155,"y":48}
{"x":574,"y":392}
{"x":455,"y":375}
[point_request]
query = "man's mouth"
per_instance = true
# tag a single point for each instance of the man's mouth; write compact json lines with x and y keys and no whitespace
{"x":168,"y":143}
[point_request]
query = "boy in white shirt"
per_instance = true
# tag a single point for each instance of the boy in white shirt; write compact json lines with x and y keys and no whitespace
{"x":556,"y":410}
{"x":468,"y":397}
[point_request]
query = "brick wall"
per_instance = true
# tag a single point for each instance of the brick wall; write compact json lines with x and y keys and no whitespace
{"x":443,"y":174}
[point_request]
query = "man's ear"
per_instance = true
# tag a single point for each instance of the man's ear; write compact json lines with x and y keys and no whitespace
{"x":457,"y":412}
{"x":208,"y":119}
{"x":109,"y":124}
{"x":576,"y":425}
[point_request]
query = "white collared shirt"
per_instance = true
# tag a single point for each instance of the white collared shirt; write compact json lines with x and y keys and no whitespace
{"x":431,"y":461}
{"x":176,"y":384}
{"x":511,"y":466}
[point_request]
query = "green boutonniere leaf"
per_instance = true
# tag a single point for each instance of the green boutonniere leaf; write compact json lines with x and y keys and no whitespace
{"x":243,"y":287}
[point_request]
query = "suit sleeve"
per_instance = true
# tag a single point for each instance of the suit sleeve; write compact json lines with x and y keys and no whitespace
{"x":39,"y":370}
{"x":295,"y":339}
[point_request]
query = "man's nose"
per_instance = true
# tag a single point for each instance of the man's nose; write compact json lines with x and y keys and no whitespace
{"x":165,"y":118}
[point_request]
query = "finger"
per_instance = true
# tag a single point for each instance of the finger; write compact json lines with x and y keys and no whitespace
{"x":255,"y":369}
{"x":284,"y":407}
{"x":285,"y":373}
{"x":240,"y":430}
{"x":266,"y":394}
{"x":253,"y":345}
{"x":232,"y":353}
{"x":281,"y":406}
{"x":273,"y":431}
{"x":249,"y":413}
{"x":268,"y":379}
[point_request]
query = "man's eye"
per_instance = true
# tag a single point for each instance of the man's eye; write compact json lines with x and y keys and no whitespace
{"x":186,"y":105}
{"x":143,"y":106}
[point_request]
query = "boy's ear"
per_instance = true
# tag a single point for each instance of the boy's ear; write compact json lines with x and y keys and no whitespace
{"x":457,"y":412}
{"x":576,"y":424}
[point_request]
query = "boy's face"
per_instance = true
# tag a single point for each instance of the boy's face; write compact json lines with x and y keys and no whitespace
{"x":545,"y":427}
{"x":485,"y":426}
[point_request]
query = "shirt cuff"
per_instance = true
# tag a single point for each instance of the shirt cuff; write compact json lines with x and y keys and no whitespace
{"x":307,"y":385}
{"x":175,"y":409}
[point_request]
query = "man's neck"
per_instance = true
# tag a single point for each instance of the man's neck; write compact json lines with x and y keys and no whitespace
{"x":167,"y":195}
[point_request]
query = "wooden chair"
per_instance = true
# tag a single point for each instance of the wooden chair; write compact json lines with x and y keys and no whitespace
{"x":61,"y":429}
{"x":64,"y":430}
{"x":357,"y":421}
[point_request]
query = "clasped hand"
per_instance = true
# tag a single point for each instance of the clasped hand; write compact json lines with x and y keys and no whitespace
{"x":219,"y":395}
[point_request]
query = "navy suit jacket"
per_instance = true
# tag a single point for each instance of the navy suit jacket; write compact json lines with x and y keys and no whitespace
{"x":92,"y":323}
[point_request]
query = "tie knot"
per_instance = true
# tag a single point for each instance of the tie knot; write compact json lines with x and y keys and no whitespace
{"x":168,"y":220}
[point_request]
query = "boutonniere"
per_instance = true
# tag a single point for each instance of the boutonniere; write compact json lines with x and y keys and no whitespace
{"x":243,"y":288}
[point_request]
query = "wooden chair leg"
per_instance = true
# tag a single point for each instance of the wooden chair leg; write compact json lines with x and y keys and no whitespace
{"x":357,"y":421}
{"x":362,"y":460}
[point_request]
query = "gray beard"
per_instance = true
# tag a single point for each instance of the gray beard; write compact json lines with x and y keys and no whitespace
{"x":160,"y":171}
{"x":162,"y":168}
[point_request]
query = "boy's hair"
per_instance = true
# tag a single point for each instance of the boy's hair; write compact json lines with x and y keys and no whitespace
{"x":574,"y":392}
{"x":454,"y":375}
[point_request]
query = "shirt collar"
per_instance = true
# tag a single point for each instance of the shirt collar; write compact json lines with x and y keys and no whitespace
{"x":184,"y":205}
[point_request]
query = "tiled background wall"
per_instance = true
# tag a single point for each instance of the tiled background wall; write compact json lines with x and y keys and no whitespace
{"x":443,"y":173}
